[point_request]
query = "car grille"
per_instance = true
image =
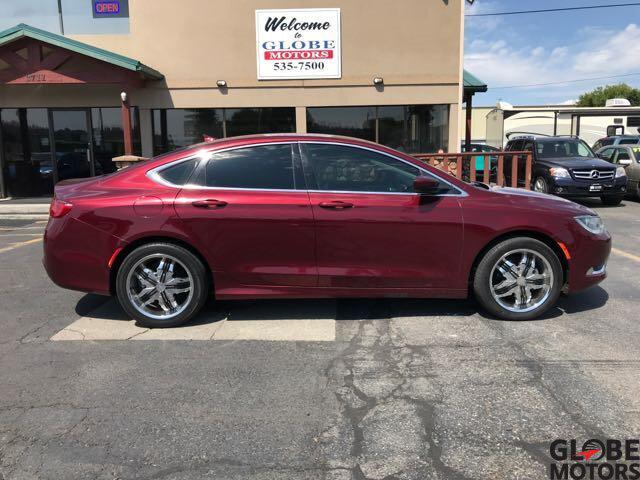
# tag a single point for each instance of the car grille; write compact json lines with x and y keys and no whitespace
{"x":594,"y":174}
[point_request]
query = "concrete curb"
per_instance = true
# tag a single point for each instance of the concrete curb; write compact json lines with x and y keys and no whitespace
{"x":23,"y":216}
{"x":24,"y":209}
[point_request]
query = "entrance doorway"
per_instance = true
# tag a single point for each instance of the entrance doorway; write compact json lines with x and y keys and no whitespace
{"x":72,"y":143}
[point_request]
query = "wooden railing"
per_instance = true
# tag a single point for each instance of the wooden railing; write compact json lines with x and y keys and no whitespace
{"x":495,"y":168}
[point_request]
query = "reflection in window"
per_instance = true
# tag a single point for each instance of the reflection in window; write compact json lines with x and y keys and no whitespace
{"x":176,"y":128}
{"x":263,"y":167}
{"x":409,"y":128}
{"x":349,"y":169}
{"x":28,"y":170}
{"x":359,"y":122}
{"x":247,"y":121}
{"x":108,"y":136}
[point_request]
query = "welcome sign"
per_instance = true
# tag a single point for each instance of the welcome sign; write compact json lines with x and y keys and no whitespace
{"x":298,"y":44}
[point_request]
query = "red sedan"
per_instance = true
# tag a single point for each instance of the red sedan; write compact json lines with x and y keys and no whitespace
{"x":310,"y":216}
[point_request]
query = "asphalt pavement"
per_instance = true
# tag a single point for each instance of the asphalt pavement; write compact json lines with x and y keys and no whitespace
{"x":346,"y":389}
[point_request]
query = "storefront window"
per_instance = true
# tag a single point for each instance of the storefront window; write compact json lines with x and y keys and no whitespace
{"x":26,"y":151}
{"x":359,"y":122}
{"x":414,"y":128}
{"x":175,"y":128}
{"x":410,"y":128}
{"x":246,"y":121}
{"x":27,"y":166}
{"x":108,"y":136}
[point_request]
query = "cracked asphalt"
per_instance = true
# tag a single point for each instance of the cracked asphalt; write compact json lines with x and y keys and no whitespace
{"x":410,"y":389}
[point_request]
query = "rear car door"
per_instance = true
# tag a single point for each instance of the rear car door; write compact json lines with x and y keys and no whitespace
{"x":372,"y":230}
{"x":248,"y":209}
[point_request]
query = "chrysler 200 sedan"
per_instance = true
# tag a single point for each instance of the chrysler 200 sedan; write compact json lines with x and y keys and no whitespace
{"x":313,"y":216}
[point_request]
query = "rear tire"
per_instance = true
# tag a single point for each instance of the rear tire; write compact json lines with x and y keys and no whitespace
{"x":162,"y":285}
{"x":611,"y":201}
{"x":528,"y":288}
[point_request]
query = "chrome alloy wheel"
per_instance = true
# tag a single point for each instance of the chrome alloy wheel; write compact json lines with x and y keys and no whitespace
{"x":521,"y":280}
{"x":540,"y":185}
{"x":159,"y":286}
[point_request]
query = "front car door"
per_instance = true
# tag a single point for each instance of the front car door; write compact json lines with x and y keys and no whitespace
{"x":372,"y":230}
{"x":248,"y":209}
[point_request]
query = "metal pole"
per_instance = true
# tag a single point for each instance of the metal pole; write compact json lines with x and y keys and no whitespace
{"x":60,"y":17}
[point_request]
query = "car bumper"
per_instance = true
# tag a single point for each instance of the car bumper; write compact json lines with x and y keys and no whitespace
{"x":588,"y":263}
{"x":585,"y":188}
{"x":68,"y":261}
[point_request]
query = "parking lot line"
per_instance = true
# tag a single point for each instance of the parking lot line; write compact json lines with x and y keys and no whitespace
{"x":20,"y":244}
{"x":628,"y":255}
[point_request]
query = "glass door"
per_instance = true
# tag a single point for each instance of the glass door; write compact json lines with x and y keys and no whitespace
{"x":72,"y":143}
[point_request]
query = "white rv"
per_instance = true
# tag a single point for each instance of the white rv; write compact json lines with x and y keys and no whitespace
{"x":590,"y":124}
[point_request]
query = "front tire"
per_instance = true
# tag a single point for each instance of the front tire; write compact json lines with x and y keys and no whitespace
{"x":541,"y":185}
{"x":162,"y":285}
{"x":518,"y":279}
{"x":611,"y":201}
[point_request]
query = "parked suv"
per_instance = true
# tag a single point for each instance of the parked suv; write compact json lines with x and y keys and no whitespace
{"x":567,"y":167}
{"x":616,"y":140}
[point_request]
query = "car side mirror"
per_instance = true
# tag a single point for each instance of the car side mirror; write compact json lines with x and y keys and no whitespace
{"x":426,"y":185}
{"x":624,"y":162}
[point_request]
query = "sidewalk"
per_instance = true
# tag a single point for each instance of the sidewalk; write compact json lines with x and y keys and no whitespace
{"x":18,"y":208}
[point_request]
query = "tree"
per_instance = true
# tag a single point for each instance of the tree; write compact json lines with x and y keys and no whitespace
{"x":598,"y":97}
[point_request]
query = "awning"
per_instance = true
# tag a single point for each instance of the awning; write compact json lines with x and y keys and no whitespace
{"x":473,"y":84}
{"x":31,"y":55}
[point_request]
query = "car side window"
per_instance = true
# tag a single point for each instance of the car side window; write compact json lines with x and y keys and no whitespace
{"x":518,"y":145}
{"x":621,"y":154}
{"x":341,"y":168}
{"x":268,"y":167}
{"x":607,"y":154}
{"x":179,"y":173}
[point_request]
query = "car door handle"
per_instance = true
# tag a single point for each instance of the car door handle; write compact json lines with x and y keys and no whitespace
{"x":336,"y":205}
{"x":208,"y":203}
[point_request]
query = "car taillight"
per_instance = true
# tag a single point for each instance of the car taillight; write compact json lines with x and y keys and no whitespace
{"x":59,"y":208}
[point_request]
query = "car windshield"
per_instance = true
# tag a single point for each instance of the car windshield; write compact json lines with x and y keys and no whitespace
{"x":563,"y":148}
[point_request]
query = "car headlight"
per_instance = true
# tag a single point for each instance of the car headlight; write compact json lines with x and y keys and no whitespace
{"x":591,"y":223}
{"x":621,"y":172}
{"x":559,"y":172}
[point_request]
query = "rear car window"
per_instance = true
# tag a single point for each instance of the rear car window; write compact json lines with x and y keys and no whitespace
{"x":268,"y":167}
{"x":178,"y":174}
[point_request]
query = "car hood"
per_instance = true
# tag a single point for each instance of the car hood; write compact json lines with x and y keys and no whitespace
{"x":576,"y":162}
{"x":529,"y":198}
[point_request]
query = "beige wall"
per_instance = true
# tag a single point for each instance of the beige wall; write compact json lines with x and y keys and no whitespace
{"x":415,"y":45}
{"x":196,"y":42}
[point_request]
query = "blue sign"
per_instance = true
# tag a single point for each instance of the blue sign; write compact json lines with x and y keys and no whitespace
{"x":110,"y":8}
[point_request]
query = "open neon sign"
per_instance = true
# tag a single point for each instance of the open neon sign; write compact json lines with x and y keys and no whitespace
{"x":110,"y":8}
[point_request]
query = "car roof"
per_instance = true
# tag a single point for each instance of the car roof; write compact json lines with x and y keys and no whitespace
{"x":239,"y":141}
{"x":277,"y":137}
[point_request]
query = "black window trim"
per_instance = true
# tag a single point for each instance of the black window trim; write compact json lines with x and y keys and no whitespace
{"x":205,"y":156}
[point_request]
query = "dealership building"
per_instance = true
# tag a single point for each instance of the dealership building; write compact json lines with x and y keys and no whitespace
{"x":143,"y":77}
